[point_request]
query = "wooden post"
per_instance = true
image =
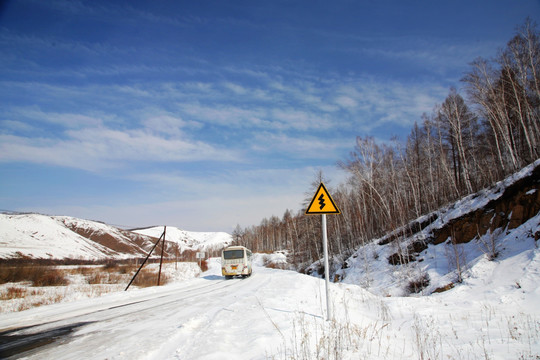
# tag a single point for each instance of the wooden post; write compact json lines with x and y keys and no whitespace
{"x":162,"y":250}
{"x":144,"y":262}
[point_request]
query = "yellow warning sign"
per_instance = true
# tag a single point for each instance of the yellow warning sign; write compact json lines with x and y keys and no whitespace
{"x":322,"y":203}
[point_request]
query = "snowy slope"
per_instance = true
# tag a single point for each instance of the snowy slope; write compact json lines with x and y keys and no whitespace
{"x":189,"y":240}
{"x":512,"y":268}
{"x":441,"y":265}
{"x":62,"y":237}
{"x":46,"y":237}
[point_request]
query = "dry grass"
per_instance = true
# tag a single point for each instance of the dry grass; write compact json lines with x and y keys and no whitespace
{"x":40,"y":301}
{"x":38,"y":275}
{"x":106,"y":274}
{"x":27,"y":285}
{"x":203,"y":264}
{"x":13,"y":292}
{"x":147,"y":278}
{"x":49,"y":277}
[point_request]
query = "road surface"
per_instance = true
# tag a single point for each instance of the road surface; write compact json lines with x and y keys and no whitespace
{"x":207,"y":317}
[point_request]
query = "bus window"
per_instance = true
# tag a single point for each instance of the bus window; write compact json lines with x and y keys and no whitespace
{"x":233,"y":254}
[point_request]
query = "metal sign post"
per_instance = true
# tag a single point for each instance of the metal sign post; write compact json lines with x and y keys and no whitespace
{"x":201,"y":256}
{"x":324,"y":205}
{"x":326,"y":270}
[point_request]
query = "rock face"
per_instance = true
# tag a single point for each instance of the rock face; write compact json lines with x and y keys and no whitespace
{"x":518,"y":203}
{"x":510,"y":206}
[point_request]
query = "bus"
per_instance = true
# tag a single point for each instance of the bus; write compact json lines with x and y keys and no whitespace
{"x":236,"y":260}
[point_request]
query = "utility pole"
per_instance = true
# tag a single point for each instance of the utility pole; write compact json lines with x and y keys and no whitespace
{"x":144,"y":262}
{"x":162,"y":251}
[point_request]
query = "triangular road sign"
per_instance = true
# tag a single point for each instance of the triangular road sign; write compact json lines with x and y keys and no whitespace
{"x":322,"y":203}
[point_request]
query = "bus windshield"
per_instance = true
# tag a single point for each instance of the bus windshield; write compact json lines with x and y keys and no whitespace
{"x":233,"y":254}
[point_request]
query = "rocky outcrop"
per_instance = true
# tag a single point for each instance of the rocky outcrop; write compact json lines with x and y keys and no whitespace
{"x":510,"y":207}
{"x":518,"y":203}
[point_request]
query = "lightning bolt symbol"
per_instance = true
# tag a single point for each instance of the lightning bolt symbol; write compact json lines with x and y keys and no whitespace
{"x":321,"y":202}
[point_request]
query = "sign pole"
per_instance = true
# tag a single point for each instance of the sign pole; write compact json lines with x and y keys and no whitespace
{"x":326,"y":270}
{"x":322,"y":203}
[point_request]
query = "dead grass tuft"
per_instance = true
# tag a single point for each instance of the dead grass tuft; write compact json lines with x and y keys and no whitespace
{"x":444,"y":288}
{"x":147,"y":278}
{"x":49,"y":277}
{"x":418,"y":284}
{"x":13,"y":292}
{"x":99,"y":277}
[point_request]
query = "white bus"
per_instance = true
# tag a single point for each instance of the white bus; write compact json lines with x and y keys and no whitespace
{"x":236,"y":260}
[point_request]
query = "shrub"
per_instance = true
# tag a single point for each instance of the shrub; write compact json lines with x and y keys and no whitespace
{"x":203,"y":264}
{"x":48,"y":277}
{"x":97,"y":277}
{"x":147,"y":278}
{"x":111,"y":266}
{"x":14,"y":274}
{"x":418,"y":284}
{"x":127,"y":269}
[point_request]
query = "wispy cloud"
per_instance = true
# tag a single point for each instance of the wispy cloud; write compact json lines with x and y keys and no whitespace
{"x":99,"y":148}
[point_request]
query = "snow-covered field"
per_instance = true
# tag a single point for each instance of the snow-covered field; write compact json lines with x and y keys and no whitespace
{"x":279,"y":314}
{"x":79,"y":288}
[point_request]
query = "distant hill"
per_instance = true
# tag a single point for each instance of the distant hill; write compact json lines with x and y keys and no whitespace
{"x":189,"y":240}
{"x":36,"y":236}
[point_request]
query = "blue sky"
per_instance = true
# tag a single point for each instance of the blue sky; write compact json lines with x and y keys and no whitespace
{"x":208,"y":114}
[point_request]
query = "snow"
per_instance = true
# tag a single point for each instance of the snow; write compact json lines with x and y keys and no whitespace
{"x":492,"y":313}
{"x":51,"y":237}
{"x":281,"y":314}
{"x":46,"y":237}
{"x":79,"y":288}
{"x":189,"y":240}
{"x":369,"y":268}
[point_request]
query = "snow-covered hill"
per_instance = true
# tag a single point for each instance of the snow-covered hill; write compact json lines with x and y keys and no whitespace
{"x":189,"y":240}
{"x":35,"y":236}
{"x":489,"y":238}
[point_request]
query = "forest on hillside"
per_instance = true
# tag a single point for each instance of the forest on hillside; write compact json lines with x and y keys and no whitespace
{"x":467,"y":143}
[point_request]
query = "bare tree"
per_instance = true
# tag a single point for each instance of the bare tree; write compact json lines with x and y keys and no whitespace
{"x":458,"y":123}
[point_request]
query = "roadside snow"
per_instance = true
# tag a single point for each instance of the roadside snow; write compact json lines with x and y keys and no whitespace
{"x":79,"y":288}
{"x":279,"y":314}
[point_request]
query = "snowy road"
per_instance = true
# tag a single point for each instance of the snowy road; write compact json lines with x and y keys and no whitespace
{"x":278,"y":314}
{"x":200,"y":318}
